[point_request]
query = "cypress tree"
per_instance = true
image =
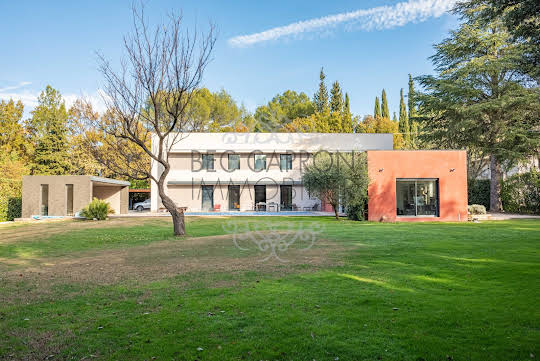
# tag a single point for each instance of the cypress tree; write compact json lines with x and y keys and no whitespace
{"x":321,"y":96}
{"x":377,"y":111}
{"x":336,"y":101}
{"x":404,"y":128}
{"x":385,"y":112}
{"x":411,"y":99}
{"x":347,"y":120}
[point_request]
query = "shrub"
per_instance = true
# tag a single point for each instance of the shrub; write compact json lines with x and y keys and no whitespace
{"x":478,"y":192}
{"x":477,"y":209}
{"x":97,"y":209}
{"x":356,"y":212}
{"x":14,"y":208}
{"x":520,"y":193}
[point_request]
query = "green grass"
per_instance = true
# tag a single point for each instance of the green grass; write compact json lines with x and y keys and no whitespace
{"x":431,"y":291}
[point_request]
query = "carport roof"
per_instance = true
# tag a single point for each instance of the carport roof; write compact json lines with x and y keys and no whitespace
{"x":109,"y":181}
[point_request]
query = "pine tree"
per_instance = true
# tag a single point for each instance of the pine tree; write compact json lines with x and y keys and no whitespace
{"x":321,"y":96}
{"x":377,"y":111}
{"x":385,"y":112}
{"x":347,"y":125}
{"x":404,"y":128}
{"x":49,"y":132}
{"x":336,"y":100}
{"x":411,"y":99}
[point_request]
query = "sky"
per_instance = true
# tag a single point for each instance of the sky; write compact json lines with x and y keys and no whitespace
{"x":263,"y":47}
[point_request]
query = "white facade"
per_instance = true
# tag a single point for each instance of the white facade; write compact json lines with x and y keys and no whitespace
{"x":281,"y":187}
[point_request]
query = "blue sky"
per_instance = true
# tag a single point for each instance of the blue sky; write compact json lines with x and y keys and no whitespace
{"x":54,"y":42}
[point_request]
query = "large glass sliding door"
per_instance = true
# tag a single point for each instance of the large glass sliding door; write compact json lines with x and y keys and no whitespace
{"x":207,"y":198}
{"x":417,"y":197}
{"x":286,"y":198}
{"x":260,"y":197}
{"x":234,"y":198}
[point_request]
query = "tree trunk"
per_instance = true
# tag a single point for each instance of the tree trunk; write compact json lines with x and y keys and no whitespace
{"x":495,"y":202}
{"x":336,"y":208}
{"x":177,"y":215}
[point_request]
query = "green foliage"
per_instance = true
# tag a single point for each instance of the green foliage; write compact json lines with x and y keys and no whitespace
{"x":521,"y":193}
{"x":476,"y":209}
{"x":139,"y":183}
{"x":480,"y":99}
{"x":320,"y":99}
{"x":411,"y":99}
{"x":404,"y":128}
{"x":14,"y":208}
{"x":48,"y":127}
{"x":282,"y":110}
{"x":12,"y":169}
{"x":478,"y":192}
{"x":385,"y":112}
{"x":336,"y":99}
{"x":97,"y":209}
{"x":12,"y":133}
{"x":377,"y":110}
{"x":339,"y":178}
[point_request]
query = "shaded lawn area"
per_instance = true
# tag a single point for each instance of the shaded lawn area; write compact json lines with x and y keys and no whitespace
{"x":431,"y":291}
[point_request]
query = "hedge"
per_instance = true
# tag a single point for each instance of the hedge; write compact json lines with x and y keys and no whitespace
{"x":520,"y":193}
{"x":478,"y":192}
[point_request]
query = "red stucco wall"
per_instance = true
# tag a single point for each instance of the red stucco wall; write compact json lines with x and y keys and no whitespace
{"x":385,"y":166}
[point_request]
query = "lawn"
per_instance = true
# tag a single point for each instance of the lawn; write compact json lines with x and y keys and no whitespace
{"x":126,"y":289}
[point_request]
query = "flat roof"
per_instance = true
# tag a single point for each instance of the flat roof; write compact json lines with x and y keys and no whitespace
{"x":274,"y":142}
{"x":109,"y":181}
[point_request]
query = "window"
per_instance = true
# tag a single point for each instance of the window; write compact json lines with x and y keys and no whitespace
{"x":44,"y":209}
{"x":260,"y":162}
{"x":208,"y":161}
{"x":69,"y":199}
{"x":234,"y":161}
{"x":285,"y":162}
{"x":417,"y":197}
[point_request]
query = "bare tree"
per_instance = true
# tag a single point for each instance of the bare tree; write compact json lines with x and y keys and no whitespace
{"x":148,"y":98}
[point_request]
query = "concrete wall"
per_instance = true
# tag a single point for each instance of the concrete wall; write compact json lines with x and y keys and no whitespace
{"x":113,"y":195}
{"x":449,"y":167}
{"x":190,"y":196}
{"x":84,"y":189}
{"x":31,"y":194}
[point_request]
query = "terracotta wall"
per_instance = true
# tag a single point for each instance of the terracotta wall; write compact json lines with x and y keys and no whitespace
{"x":450,"y":167}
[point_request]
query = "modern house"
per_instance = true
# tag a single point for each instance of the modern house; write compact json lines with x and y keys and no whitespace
{"x":263,"y":172}
{"x":59,"y":195}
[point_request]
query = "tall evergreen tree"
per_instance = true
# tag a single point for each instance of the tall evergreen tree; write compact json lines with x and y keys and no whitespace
{"x":411,"y":98}
{"x":347,"y":125}
{"x":385,"y":112}
{"x":336,"y":100}
{"x":49,"y":132}
{"x":320,"y":99}
{"x":394,"y":118}
{"x":404,"y":128}
{"x":480,"y":99}
{"x":377,"y":111}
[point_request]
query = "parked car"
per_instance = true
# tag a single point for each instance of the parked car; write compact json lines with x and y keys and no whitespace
{"x":141,"y":206}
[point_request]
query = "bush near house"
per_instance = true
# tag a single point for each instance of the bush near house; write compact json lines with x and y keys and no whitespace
{"x":478,"y":192}
{"x":477,"y":209}
{"x":97,"y":209}
{"x":520,"y":193}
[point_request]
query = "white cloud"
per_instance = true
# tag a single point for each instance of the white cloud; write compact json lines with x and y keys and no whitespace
{"x":30,"y":98}
{"x":381,"y":17}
